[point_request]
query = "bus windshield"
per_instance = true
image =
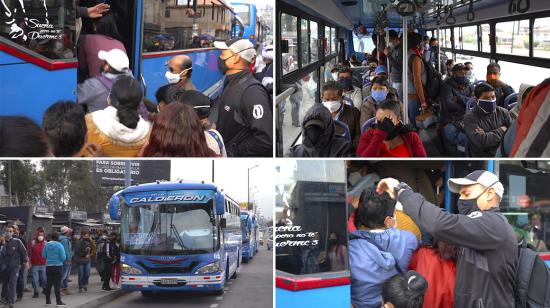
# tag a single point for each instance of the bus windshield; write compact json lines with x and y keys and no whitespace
{"x":244,"y":229}
{"x":169,"y":229}
{"x":243,"y":11}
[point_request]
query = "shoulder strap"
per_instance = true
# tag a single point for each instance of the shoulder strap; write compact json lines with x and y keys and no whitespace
{"x":217,"y":138}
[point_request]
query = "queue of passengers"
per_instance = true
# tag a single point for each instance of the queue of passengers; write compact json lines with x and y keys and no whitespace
{"x":476,"y":118}
{"x":113,"y":118}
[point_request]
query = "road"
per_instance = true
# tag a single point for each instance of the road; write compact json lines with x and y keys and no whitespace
{"x":253,"y":288}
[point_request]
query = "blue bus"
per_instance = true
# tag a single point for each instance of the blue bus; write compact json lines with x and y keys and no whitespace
{"x":250,"y":232}
{"x":38,"y":47}
{"x":254,"y":28}
{"x":177,"y":236}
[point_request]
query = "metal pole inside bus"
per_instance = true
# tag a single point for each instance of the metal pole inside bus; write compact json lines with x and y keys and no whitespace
{"x":405,"y":71}
{"x":438,"y":51}
{"x":387,"y":57}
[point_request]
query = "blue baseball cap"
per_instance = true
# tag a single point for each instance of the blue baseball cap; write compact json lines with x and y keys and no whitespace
{"x":380,"y":69}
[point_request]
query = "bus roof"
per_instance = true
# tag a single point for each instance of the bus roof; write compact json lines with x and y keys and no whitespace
{"x":178,"y":185}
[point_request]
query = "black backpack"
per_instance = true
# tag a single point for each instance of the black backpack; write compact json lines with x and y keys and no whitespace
{"x":532,"y":278}
{"x":433,"y":79}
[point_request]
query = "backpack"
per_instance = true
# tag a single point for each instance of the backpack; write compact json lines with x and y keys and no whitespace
{"x":532,"y":279}
{"x":433,"y":79}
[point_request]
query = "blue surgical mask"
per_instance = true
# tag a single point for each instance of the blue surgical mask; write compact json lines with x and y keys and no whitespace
{"x":461,"y":80}
{"x":346,"y":83}
{"x":488,"y":106}
{"x":379,"y":95}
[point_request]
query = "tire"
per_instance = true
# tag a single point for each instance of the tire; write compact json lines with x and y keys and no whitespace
{"x":147,"y":293}
{"x":218,"y":292}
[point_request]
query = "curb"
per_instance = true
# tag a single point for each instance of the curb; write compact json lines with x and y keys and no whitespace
{"x":109,"y":297}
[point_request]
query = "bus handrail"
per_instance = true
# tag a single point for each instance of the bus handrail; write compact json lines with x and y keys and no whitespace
{"x":284,"y":95}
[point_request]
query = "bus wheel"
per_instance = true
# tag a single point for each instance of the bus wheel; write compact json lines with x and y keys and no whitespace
{"x":234,"y":276}
{"x":218,"y":292}
{"x":147,"y":293}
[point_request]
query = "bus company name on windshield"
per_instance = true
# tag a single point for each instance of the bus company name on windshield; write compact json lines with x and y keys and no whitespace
{"x":168,"y":198}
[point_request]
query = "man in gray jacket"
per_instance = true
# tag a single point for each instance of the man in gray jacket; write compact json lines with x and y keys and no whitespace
{"x":486,"y":268}
{"x":14,"y":255}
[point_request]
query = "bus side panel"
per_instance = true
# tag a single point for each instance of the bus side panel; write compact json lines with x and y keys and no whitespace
{"x":27,"y":89}
{"x":205,"y":71}
{"x":326,"y":297}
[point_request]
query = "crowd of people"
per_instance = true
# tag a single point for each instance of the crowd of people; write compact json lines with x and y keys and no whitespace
{"x":474,"y":118}
{"x":50,"y":258}
{"x":113,"y":118}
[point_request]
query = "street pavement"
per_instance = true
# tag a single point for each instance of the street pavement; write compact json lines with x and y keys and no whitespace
{"x":253,"y":288}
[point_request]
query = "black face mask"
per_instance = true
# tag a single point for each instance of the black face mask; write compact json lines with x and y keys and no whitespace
{"x":468,"y":206}
{"x":312,"y":135}
{"x":222,"y":66}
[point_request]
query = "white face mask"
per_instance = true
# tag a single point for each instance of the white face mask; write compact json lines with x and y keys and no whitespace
{"x":335,"y":76}
{"x":332,"y":106}
{"x":40,"y":238}
{"x":173,"y":77}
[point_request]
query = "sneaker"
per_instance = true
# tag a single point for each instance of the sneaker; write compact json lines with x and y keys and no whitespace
{"x":85,"y":289}
{"x":60,"y":304}
{"x":48,"y":303}
{"x":35,"y":295}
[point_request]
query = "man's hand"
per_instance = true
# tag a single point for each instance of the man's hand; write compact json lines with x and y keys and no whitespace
{"x":387,"y":185}
{"x":98,"y":10}
{"x":479,"y":131}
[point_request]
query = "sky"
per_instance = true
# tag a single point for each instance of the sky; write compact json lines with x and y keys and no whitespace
{"x":231,"y":176}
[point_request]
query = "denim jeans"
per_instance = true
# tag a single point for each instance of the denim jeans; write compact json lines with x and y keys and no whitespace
{"x":399,"y":87}
{"x":11,"y":290}
{"x":456,"y":137}
{"x":413,"y":111}
{"x":83,"y":274}
{"x":65,"y":275}
{"x":295,"y":111}
{"x":38,"y":277}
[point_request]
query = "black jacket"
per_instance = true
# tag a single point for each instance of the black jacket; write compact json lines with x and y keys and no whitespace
{"x":486,"y":267}
{"x":453,"y":99}
{"x":486,"y":144}
{"x":14,"y":253}
{"x":245,"y":118}
{"x":329,"y":145}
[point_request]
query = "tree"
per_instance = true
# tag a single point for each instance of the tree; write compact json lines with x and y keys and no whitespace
{"x":25,"y":186}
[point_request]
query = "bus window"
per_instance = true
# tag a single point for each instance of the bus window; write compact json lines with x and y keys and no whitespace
{"x":513,"y":38}
{"x":541,"y":38}
{"x":45,"y":27}
{"x":448,"y":42}
{"x":526,"y":202}
{"x":313,"y":38}
{"x":311,"y":209}
{"x":304,"y":32}
{"x":363,"y":43}
{"x":289,"y":31}
{"x":510,"y":74}
{"x":327,"y":39}
{"x":469,"y":38}
{"x":485,"y":38}
{"x":457,"y":34}
{"x":243,"y":11}
{"x":333,"y":40}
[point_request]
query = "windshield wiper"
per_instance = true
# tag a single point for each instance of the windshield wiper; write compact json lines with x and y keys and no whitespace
{"x":150,"y":235}
{"x":175,"y":230}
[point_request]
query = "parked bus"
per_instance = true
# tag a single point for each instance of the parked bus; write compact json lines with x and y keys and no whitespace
{"x":38,"y":47}
{"x":311,"y":208}
{"x":250,"y":233}
{"x":177,"y":236}
{"x":316,"y":39}
{"x":254,"y":27}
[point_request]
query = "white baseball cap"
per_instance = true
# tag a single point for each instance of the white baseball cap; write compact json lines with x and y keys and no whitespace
{"x":116,"y":58}
{"x":483,"y":177}
{"x":64,"y":229}
{"x":243,"y":47}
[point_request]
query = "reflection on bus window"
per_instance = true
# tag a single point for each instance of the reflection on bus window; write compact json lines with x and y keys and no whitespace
{"x":304,"y":32}
{"x":169,"y":25}
{"x":469,"y":38}
{"x":363,"y":43}
{"x":541,"y":38}
{"x":311,"y":212}
{"x":45,"y":27}
{"x":485,"y":38}
{"x":333,"y":40}
{"x":289,"y":32}
{"x":243,"y":11}
{"x":314,"y":37}
{"x":512,"y":37}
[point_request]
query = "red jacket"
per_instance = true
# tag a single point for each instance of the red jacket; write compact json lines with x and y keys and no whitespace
{"x":371,"y":140}
{"x":35,"y":252}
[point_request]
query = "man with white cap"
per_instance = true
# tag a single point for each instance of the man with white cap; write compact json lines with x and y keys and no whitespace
{"x":245,"y":118}
{"x":486,"y":268}
{"x":65,"y":240}
{"x":265,"y":76}
{"x":93,"y":92}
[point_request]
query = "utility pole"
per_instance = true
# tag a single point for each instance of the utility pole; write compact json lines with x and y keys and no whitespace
{"x":9,"y":183}
{"x":248,"y":187}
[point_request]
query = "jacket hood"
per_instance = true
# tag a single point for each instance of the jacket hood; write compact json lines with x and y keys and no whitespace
{"x":107,"y":122}
{"x":382,"y":258}
{"x":320,"y":114}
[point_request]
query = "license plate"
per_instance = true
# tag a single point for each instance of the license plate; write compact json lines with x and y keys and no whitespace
{"x":169,"y":281}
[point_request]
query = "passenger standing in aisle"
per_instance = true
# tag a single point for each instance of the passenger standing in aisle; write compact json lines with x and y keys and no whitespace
{"x":15,"y":257}
{"x":416,"y":78}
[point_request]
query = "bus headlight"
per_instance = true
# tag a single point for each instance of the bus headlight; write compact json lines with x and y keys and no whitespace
{"x":210,"y":268}
{"x":130,"y":270}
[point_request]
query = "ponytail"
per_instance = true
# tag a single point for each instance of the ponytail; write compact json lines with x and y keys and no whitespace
{"x":405,"y":291}
{"x":126,"y":96}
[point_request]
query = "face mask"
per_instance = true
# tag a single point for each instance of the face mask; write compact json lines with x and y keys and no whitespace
{"x":312,"y":135}
{"x":391,"y":45}
{"x":461,"y":80}
{"x":40,"y":238}
{"x":487,"y":106}
{"x":104,"y":237}
{"x":332,"y":106}
{"x":335,"y":76}
{"x":173,"y":77}
{"x":346,"y":83}
{"x":222,"y":66}
{"x":379,"y":95}
{"x":354,"y":177}
{"x":465,"y":207}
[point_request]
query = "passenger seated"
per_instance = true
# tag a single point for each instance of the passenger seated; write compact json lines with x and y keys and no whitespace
{"x":486,"y":124}
{"x":319,"y":137}
{"x":379,"y":91}
{"x":390,"y":137}
{"x":502,"y":90}
{"x":352,"y":94}
{"x":505,"y":148}
{"x":450,"y":64}
{"x":332,"y":99}
{"x":377,"y":249}
{"x":405,"y":291}
{"x":470,"y":73}
{"x":455,"y":93}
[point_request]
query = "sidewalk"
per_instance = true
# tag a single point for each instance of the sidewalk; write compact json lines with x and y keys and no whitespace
{"x":95,"y":297}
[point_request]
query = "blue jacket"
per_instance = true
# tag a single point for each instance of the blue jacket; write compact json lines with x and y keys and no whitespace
{"x":66,"y":242}
{"x":370,"y":267}
{"x":54,"y":253}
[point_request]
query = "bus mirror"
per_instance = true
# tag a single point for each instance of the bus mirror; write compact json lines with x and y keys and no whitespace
{"x":223,"y":223}
{"x":284,"y":46}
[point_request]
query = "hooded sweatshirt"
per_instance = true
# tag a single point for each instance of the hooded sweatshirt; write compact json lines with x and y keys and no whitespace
{"x":54,"y":253}
{"x":329,"y":145}
{"x":371,"y":266}
{"x":35,"y":251}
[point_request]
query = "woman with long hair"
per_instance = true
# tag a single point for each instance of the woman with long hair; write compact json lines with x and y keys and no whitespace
{"x":177,"y":132}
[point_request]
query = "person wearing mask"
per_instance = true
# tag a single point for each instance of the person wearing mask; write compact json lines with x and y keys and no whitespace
{"x":24,"y":271}
{"x":405,"y":291}
{"x":64,"y":124}
{"x":352,"y":94}
{"x":394,"y":52}
{"x":453,"y":99}
{"x":65,"y":240}
{"x":54,"y":253}
{"x":93,"y":92}
{"x":119,"y":129}
{"x":379,"y":91}
{"x":106,"y":37}
{"x":502,"y":89}
{"x":319,"y":137}
{"x":390,"y":137}
{"x":265,"y":76}
{"x":83,"y":253}
{"x":416,"y":78}
{"x":116,"y":267}
{"x":179,"y":72}
{"x":38,"y":263}
{"x":15,"y":257}
{"x":245,"y":118}
{"x":105,"y":259}
{"x":377,"y":250}
{"x":486,"y":124}
{"x":337,"y":253}
{"x":487,"y":264}
{"x":449,"y":71}
{"x":332,"y":98}
{"x":470,"y":72}
{"x":3,"y":270}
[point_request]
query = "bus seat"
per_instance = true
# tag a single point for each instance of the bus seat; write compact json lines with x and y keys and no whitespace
{"x":510,"y":99}
{"x":344,"y":126}
{"x":478,"y":82}
{"x":368,"y":124}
